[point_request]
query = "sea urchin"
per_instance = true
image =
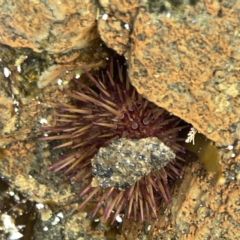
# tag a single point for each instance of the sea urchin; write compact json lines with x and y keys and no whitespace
{"x":102,"y":114}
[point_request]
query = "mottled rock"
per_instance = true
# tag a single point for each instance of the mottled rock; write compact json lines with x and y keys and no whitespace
{"x":23,"y":71}
{"x":15,"y":212}
{"x":65,"y":73}
{"x":184,"y":58}
{"x":187,"y":61}
{"x":53,"y":26}
{"x":27,"y":70}
{"x":125,"y":161}
{"x":200,"y":208}
{"x":123,"y":10}
{"x":184,"y":55}
{"x":7,"y":116}
{"x":114,"y":33}
{"x":115,"y":22}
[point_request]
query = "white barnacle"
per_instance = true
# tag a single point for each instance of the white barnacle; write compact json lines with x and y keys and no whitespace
{"x":230,"y":147}
{"x":6,"y":72}
{"x":118,"y":219}
{"x":104,"y":16}
{"x":59,"y":81}
{"x":127,"y":26}
{"x":43,"y":121}
{"x":39,"y":205}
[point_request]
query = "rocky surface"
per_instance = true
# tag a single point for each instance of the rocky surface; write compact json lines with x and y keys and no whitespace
{"x":115,"y":22}
{"x":53,"y":26}
{"x":125,"y":161}
{"x":183,"y":57}
{"x":17,"y":214}
{"x":200,"y":209}
{"x":188,"y":63}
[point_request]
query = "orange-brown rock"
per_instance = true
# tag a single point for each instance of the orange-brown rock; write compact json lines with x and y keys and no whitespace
{"x":124,"y":10}
{"x":7,"y":118}
{"x":200,"y":208}
{"x":185,"y":59}
{"x":53,"y":26}
{"x":114,"y":34}
{"x":188,"y":63}
{"x":115,"y":22}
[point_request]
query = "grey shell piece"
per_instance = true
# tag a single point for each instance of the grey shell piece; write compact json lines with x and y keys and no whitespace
{"x":124,"y":161}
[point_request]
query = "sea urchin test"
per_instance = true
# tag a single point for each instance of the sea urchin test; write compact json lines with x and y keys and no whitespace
{"x":96,"y":116}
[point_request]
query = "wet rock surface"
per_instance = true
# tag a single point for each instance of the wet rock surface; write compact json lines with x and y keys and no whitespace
{"x":53,"y":26}
{"x":200,"y":208}
{"x":187,"y":61}
{"x":183,"y":57}
{"x":125,"y":161}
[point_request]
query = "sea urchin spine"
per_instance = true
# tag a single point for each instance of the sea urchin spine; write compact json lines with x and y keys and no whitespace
{"x":98,"y":116}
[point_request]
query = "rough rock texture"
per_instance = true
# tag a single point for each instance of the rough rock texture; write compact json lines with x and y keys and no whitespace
{"x":15,"y":211}
{"x":116,"y":21}
{"x":125,"y":161}
{"x":53,"y":26}
{"x":185,"y":58}
{"x":114,"y":34}
{"x":7,"y":119}
{"x":124,"y":10}
{"x":24,"y":161}
{"x":188,"y":63}
{"x":64,"y":225}
{"x":201,"y":209}
{"x":30,"y":71}
{"x":197,"y":201}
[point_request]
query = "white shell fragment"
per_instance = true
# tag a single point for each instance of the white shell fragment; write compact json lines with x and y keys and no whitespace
{"x":6,"y":72}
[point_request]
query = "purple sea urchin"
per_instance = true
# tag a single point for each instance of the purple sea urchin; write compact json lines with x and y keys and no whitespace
{"x":97,"y":117}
